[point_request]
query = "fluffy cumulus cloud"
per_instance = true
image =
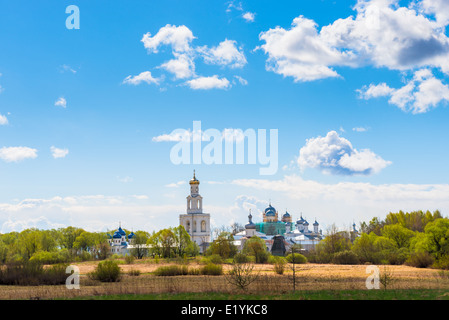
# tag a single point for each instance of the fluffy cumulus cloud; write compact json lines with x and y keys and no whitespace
{"x":420,"y":94}
{"x":178,"y":37}
{"x":16,"y":154}
{"x":249,"y":16}
{"x":185,"y":55}
{"x":226,"y":54}
{"x":381,"y":34}
{"x":333,"y":154}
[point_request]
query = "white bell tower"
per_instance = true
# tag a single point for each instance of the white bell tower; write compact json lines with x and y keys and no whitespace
{"x":196,"y":223}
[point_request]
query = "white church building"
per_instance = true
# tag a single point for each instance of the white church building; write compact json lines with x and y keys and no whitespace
{"x":195,"y":221}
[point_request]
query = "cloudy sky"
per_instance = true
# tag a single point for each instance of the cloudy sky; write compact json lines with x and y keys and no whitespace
{"x":357,"y":91}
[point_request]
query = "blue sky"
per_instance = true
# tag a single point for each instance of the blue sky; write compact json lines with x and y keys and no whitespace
{"x":356,"y":89}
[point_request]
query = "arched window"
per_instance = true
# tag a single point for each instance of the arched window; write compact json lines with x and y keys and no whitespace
{"x":188,"y":226}
{"x":203,"y":226}
{"x":194,"y":226}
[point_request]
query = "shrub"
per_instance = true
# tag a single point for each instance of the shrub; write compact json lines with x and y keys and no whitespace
{"x":345,"y":257}
{"x":32,"y":274}
{"x":442,"y":263}
{"x":45,"y":257}
{"x":241,"y":258}
{"x":279,"y":264}
{"x":296,"y":258}
{"x":173,"y":270}
{"x":212,"y":270}
{"x":106,"y":271}
{"x":215,"y":259}
{"x":420,"y":259}
{"x":129,"y":259}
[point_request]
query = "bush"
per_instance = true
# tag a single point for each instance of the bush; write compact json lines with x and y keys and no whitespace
{"x":420,"y":259}
{"x":174,"y":270}
{"x":278,"y":263}
{"x":345,"y":257}
{"x":212,"y":270}
{"x":241,"y":258}
{"x":129,"y":259}
{"x":442,"y":263}
{"x":296,"y":258}
{"x":45,"y":257}
{"x":215,"y":259}
{"x":106,"y":271}
{"x":32,"y":274}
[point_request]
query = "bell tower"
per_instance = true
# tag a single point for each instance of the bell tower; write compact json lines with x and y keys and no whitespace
{"x":195,"y":221}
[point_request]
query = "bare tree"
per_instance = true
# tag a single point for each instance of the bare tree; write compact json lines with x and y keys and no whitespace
{"x":241,"y":275}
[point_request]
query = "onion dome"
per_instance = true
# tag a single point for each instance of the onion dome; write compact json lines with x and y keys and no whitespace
{"x":315,"y":223}
{"x":194,"y":180}
{"x":131,"y":235}
{"x":301,"y":220}
{"x":286,"y":215}
{"x":270,"y":211}
{"x":120,"y":230}
{"x":109,"y":236}
{"x":117,"y":235}
{"x":250,"y":224}
{"x":306,"y":223}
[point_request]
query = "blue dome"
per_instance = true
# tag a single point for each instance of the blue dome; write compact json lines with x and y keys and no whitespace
{"x":270,"y":211}
{"x":131,"y":235}
{"x":117,"y":235}
{"x":286,"y":214}
{"x":120,"y":230}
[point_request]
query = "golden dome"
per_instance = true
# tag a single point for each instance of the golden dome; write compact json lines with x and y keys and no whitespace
{"x":194,"y":180}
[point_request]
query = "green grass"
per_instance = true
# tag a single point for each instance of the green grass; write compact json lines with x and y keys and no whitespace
{"x":409,"y":294}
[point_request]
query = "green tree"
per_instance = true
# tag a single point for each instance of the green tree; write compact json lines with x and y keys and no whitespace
{"x":182,"y":240}
{"x":400,"y":235}
{"x":256,"y":247}
{"x":223,"y":246}
{"x":140,"y":249}
{"x":437,"y":234}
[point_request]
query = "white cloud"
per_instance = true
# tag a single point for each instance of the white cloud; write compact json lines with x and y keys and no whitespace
{"x":242,"y":81}
{"x":92,"y":213}
{"x":360,"y":129}
{"x":249,"y":16}
{"x":16,"y":154}
{"x":3,"y":120}
{"x":142,"y":77}
{"x":175,"y":184}
{"x":67,"y":68}
{"x":333,"y":154}
{"x":58,"y":153}
{"x":343,"y":201}
{"x":61,"y":102}
{"x":420,"y":94}
{"x":207,"y":83}
{"x":382,"y":34}
{"x":225,"y":54}
{"x":179,"y":38}
{"x":182,"y":66}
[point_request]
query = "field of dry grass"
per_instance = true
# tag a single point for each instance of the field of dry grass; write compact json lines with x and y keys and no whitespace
{"x":308,"y":277}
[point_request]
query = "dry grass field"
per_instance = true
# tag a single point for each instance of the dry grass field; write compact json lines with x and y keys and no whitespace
{"x":308,"y":277}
